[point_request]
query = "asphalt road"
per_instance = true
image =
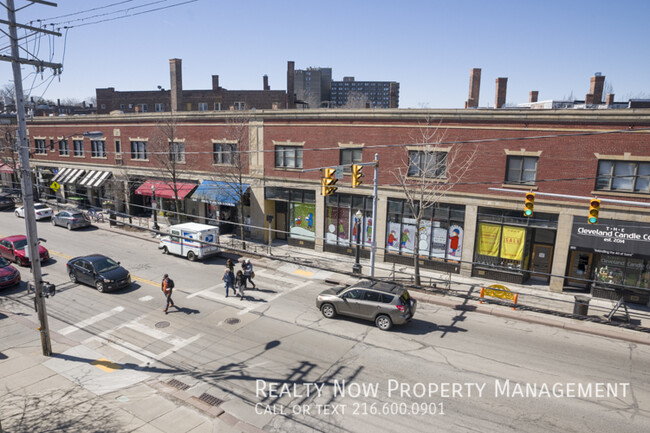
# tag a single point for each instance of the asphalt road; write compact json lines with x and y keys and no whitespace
{"x":279,"y":365}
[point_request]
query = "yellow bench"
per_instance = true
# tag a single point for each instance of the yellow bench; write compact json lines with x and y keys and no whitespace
{"x":499,"y":291}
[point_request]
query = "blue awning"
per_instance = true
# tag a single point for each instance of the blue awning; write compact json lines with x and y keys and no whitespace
{"x":222,"y":193}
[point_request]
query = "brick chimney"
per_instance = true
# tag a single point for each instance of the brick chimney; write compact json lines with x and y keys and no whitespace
{"x":609,"y":99}
{"x":533,"y":96}
{"x":291,"y":93}
{"x":474,"y":88}
{"x":597,"y":84}
{"x":266,"y":82}
{"x":176,"y":78}
{"x":589,"y":99}
{"x":215,"y":82}
{"x":500,"y":97}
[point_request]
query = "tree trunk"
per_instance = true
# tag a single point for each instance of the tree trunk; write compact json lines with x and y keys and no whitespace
{"x":416,"y":251}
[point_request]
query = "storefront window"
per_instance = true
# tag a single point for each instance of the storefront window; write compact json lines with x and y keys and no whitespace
{"x":340,"y":219}
{"x":301,"y":221}
{"x":619,"y":270}
{"x":438,"y":237}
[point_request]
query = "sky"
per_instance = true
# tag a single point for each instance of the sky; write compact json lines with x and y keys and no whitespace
{"x":428,"y":46}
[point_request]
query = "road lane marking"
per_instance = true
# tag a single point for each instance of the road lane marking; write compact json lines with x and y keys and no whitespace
{"x":145,"y":298}
{"x":60,"y":254}
{"x":144,"y":280}
{"x":303,"y":273}
{"x":273,"y":298}
{"x":91,"y":320}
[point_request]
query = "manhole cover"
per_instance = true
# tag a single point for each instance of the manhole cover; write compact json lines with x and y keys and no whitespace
{"x":162,"y":324}
{"x":232,"y":321}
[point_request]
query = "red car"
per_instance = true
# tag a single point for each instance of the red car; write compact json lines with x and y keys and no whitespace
{"x":9,"y":275}
{"x":12,"y":248}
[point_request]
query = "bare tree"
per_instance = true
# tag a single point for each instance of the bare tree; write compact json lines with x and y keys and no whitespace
{"x":167,"y":152}
{"x":429,"y":172}
{"x":8,"y":152}
{"x":231,"y":161}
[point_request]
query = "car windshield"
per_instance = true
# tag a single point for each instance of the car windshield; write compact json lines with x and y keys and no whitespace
{"x":339,"y":290}
{"x":20,"y":244}
{"x":3,"y":262}
{"x":105,"y":264}
{"x":40,"y":206}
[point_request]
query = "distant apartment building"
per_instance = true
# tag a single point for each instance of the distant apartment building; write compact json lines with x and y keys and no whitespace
{"x":314,"y":88}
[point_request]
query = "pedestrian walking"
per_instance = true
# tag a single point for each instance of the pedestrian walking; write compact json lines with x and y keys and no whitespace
{"x":230,"y":265}
{"x":240,"y":284}
{"x":167,"y":286}
{"x":249,"y":274}
{"x":229,"y":280}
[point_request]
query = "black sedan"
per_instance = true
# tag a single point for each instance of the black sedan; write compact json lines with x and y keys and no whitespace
{"x":97,"y":270}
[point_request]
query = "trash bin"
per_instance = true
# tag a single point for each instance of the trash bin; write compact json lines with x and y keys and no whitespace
{"x":581,"y":305}
{"x":111,"y":218}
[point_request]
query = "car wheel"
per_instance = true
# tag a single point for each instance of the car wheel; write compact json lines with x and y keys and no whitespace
{"x":17,"y":214}
{"x":383,"y":322}
{"x":191,"y":256}
{"x":17,"y":261}
{"x":69,"y":226}
{"x":328,"y":310}
{"x":99,"y":286}
{"x":165,"y":250}
{"x":73,"y":277}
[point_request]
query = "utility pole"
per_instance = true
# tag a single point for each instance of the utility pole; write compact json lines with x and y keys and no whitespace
{"x":23,"y":152}
{"x":373,"y":241}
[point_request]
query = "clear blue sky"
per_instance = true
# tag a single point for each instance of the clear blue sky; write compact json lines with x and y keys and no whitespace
{"x":427,"y":46}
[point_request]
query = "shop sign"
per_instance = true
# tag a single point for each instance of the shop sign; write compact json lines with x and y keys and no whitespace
{"x":624,"y":238}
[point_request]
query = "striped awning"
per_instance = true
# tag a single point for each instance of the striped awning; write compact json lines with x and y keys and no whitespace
{"x":68,"y":175}
{"x":95,"y":178}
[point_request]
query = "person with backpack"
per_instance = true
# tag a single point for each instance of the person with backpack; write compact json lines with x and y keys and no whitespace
{"x":229,"y":280}
{"x":167,"y":287}
{"x":249,"y":274}
{"x":240,"y":284}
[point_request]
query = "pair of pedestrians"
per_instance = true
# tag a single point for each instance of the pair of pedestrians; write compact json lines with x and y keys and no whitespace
{"x":238,"y":282}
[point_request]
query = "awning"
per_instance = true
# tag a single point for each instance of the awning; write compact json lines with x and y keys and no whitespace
{"x":4,"y":168}
{"x":95,"y":178}
{"x":222,"y":193}
{"x":68,"y":175}
{"x":164,"y":189}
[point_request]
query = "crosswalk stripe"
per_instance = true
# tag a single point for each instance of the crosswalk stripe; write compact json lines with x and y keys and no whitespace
{"x":77,"y":326}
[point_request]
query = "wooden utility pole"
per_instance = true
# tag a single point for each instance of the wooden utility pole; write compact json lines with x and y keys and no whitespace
{"x":23,"y":152}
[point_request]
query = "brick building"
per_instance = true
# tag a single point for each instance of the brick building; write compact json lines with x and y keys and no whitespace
{"x":477,"y":227}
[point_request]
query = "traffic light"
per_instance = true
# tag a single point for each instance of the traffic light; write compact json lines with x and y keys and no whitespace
{"x":356,"y":175}
{"x":594,"y":207}
{"x":530,"y":204}
{"x":328,"y":181}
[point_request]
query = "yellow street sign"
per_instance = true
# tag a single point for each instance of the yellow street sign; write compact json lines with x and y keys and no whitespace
{"x":55,"y":186}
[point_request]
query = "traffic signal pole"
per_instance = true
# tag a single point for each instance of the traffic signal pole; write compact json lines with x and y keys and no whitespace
{"x":373,"y":241}
{"x":26,"y":178}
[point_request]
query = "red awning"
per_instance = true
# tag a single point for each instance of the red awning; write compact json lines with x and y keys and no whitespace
{"x":164,"y":189}
{"x":4,"y":168}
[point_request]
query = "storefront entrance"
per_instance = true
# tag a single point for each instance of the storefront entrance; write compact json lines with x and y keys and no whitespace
{"x":541,"y":264}
{"x":580,"y":269}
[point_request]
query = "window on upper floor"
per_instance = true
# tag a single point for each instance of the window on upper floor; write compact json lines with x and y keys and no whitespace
{"x":118,"y":146}
{"x":240,"y":105}
{"x":41,"y":147}
{"x":177,"y":151}
{"x":350,"y":156}
{"x":98,"y":149}
{"x":78,"y":147}
{"x":223,"y":153}
{"x":159,"y":107}
{"x":428,"y":164}
{"x":217,"y":106}
{"x":139,"y":150}
{"x":629,"y":176}
{"x":521,"y":170}
{"x":64,"y":150}
{"x":143,"y":108}
{"x":288,"y":156}
{"x":203,"y":106}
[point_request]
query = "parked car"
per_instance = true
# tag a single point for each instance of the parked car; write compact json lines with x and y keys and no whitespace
{"x":99,"y":271}
{"x":7,"y":202}
{"x":13,"y":249}
{"x":70,"y":219}
{"x":9,"y":275}
{"x":41,"y":210}
{"x":383,"y":302}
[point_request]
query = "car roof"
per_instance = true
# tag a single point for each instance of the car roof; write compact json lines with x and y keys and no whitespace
{"x":14,"y":238}
{"x":380,"y":286}
{"x":92,"y":257}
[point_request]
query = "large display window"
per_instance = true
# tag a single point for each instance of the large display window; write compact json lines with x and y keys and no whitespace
{"x":340,"y":220}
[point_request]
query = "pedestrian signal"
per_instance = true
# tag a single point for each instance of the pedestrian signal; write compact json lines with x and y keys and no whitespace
{"x":328,"y":181}
{"x":356,"y":175}
{"x":594,"y":208}
{"x":530,"y":204}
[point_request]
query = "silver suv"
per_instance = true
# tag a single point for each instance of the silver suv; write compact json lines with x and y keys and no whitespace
{"x":385,"y":303}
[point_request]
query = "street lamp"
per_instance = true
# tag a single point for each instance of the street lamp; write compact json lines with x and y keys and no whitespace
{"x":153,"y":208}
{"x":356,"y":269}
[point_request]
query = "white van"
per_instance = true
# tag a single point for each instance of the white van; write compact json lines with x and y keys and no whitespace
{"x":191,"y":240}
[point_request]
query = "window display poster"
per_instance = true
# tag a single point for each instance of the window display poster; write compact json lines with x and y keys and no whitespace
{"x":439,"y":243}
{"x":489,"y":238}
{"x":512,"y":243}
{"x":455,"y":246}
{"x":408,"y":236}
{"x":392,"y":237}
{"x":367,"y":232}
{"x":302,"y":221}
{"x":424,"y":237}
{"x":338,"y":225}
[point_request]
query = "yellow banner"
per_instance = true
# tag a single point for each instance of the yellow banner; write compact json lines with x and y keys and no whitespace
{"x":512,"y":243}
{"x":489,"y":236}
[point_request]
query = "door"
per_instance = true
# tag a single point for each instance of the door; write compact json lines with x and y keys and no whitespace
{"x":541,"y":264}
{"x":370,"y":305}
{"x":175,"y":242}
{"x":580,"y":267}
{"x":85,"y":272}
{"x":6,"y":250}
{"x":349,"y":305}
{"x":281,"y":220}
